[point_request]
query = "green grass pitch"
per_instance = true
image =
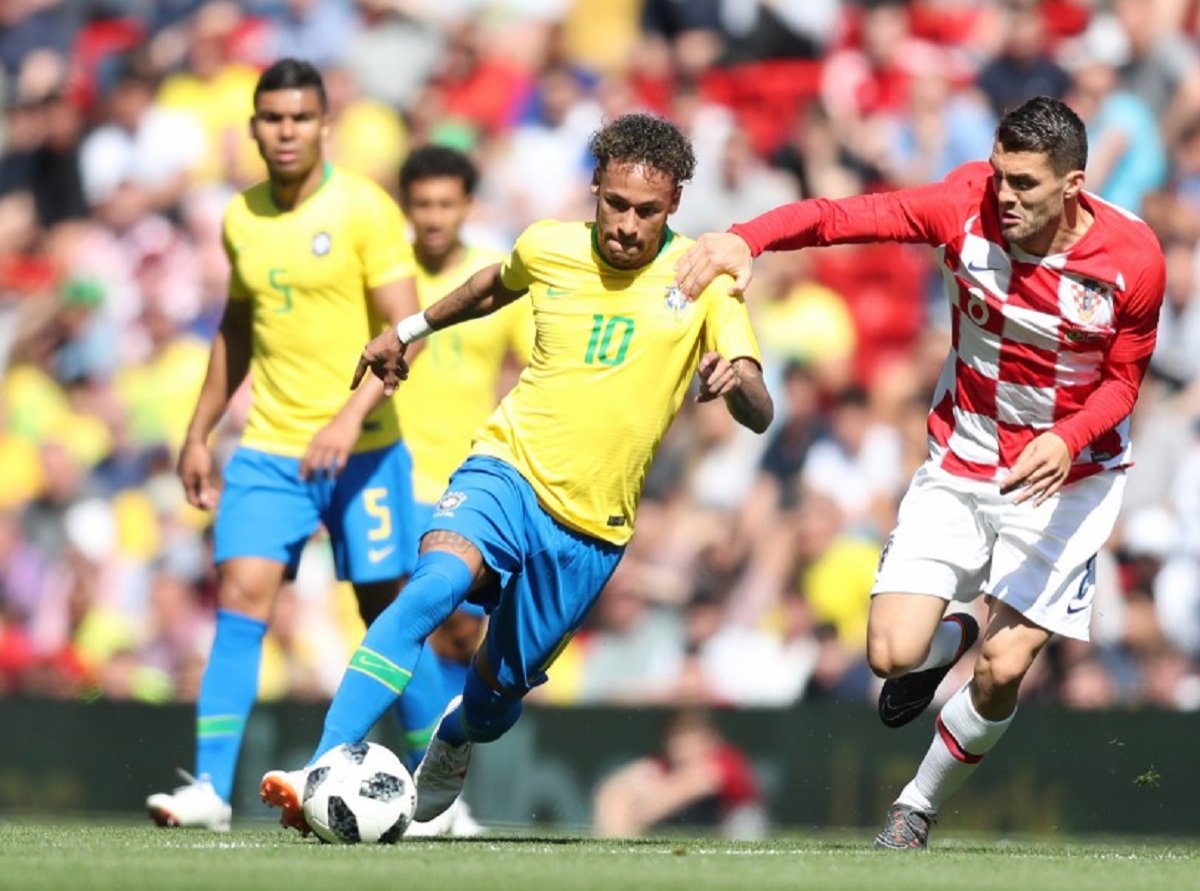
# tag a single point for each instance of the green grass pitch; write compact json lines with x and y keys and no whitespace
{"x":130,"y":857}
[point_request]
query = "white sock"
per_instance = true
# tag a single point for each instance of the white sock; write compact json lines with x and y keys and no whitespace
{"x":946,"y":640}
{"x":962,"y":738}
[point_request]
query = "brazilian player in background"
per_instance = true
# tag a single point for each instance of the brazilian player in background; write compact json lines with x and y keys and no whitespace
{"x":319,"y":260}
{"x":535,"y":520}
{"x":453,"y":388}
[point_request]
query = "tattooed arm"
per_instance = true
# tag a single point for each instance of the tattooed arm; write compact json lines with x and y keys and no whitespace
{"x":481,"y":294}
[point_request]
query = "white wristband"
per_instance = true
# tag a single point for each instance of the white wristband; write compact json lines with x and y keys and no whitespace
{"x":412,"y":328}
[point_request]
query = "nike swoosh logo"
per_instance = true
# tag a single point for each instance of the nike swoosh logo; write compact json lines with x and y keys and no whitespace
{"x":972,"y":266}
{"x":556,"y":292}
{"x":1072,"y":609}
{"x":374,"y":555}
{"x":895,"y":708}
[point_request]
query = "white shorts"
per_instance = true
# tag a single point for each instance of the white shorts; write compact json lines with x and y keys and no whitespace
{"x":958,"y":538}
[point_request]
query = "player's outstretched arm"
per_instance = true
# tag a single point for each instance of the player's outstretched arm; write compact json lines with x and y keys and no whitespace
{"x":228,"y":364}
{"x":481,"y":294}
{"x":930,"y":214}
{"x":741,"y":384}
{"x":711,"y":255}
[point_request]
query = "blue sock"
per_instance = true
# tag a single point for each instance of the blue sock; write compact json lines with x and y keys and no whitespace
{"x":420,"y":708}
{"x":382,"y":666}
{"x":483,"y":715}
{"x":227,"y":693}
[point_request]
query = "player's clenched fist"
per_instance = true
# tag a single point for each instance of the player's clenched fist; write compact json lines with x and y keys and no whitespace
{"x":384,"y":356}
{"x":718,"y":377}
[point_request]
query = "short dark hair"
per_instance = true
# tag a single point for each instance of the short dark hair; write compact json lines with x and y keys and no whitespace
{"x":432,"y":161}
{"x":291,"y":74}
{"x":1048,"y":126}
{"x":645,"y":139}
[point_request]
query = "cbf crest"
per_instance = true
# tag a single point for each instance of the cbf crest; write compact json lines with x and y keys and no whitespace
{"x":676,"y":302}
{"x":448,"y":503}
{"x":1086,"y":301}
{"x":322,"y":244}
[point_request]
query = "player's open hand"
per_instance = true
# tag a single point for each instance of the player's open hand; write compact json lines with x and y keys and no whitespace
{"x":195,"y":472}
{"x":384,"y":357}
{"x":718,"y":377}
{"x":711,"y":255}
{"x":329,"y":450}
{"x":1040,"y":470}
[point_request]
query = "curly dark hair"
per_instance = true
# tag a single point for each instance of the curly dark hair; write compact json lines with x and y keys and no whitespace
{"x":1047,"y":126}
{"x":645,"y":139}
{"x":434,"y":161}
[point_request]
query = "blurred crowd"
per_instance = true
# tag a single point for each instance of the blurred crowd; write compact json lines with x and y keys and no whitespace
{"x":124,"y":134}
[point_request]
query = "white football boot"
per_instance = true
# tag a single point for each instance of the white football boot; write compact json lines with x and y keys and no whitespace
{"x":441,"y":773}
{"x":454,"y":822}
{"x":285,"y":789}
{"x":195,"y":805}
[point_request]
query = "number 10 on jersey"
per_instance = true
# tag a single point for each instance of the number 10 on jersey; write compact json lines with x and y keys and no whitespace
{"x":600,"y":346}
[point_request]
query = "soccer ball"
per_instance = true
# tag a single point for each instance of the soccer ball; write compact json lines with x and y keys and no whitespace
{"x":359,"y":792}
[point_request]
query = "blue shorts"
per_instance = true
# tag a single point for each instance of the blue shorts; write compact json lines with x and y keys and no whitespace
{"x":266,"y":510}
{"x":549,"y":575}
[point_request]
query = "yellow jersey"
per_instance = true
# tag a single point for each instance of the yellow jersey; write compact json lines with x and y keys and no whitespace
{"x":614,"y":353}
{"x":451,"y":387}
{"x":307,"y":272}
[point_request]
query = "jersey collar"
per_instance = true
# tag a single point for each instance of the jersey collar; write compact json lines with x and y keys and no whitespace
{"x":326,"y":175}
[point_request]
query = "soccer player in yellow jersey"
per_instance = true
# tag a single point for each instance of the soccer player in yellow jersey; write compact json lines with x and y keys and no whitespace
{"x":452,"y":390}
{"x":319,"y":261}
{"x":534,"y":522}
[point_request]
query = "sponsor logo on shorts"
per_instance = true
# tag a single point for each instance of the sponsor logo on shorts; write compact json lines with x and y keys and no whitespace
{"x":449,"y":503}
{"x":887,"y":546}
{"x":1087,"y":588}
{"x":374,"y":555}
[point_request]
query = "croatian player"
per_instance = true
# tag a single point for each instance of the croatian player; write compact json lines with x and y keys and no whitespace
{"x":1054,"y":298}
{"x":535,"y":520}
{"x":319,"y":261}
{"x":450,"y":393}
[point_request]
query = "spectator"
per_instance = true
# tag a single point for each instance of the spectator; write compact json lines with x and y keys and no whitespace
{"x":140,"y":145}
{"x":1126,"y":159}
{"x":391,"y":54}
{"x":698,"y":780}
{"x":1023,"y":68}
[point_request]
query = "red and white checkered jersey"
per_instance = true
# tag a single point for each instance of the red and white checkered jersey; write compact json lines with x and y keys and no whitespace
{"x":1058,"y":343}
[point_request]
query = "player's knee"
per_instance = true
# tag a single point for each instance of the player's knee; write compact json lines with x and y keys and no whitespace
{"x":890,"y":656}
{"x":1000,"y":670}
{"x":245,"y":597}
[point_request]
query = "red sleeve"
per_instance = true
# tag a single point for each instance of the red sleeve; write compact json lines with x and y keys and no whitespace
{"x":1126,"y":363}
{"x":933,"y":214}
{"x":738,"y":785}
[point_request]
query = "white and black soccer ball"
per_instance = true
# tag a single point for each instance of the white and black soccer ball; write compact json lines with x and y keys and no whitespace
{"x":359,"y":792}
